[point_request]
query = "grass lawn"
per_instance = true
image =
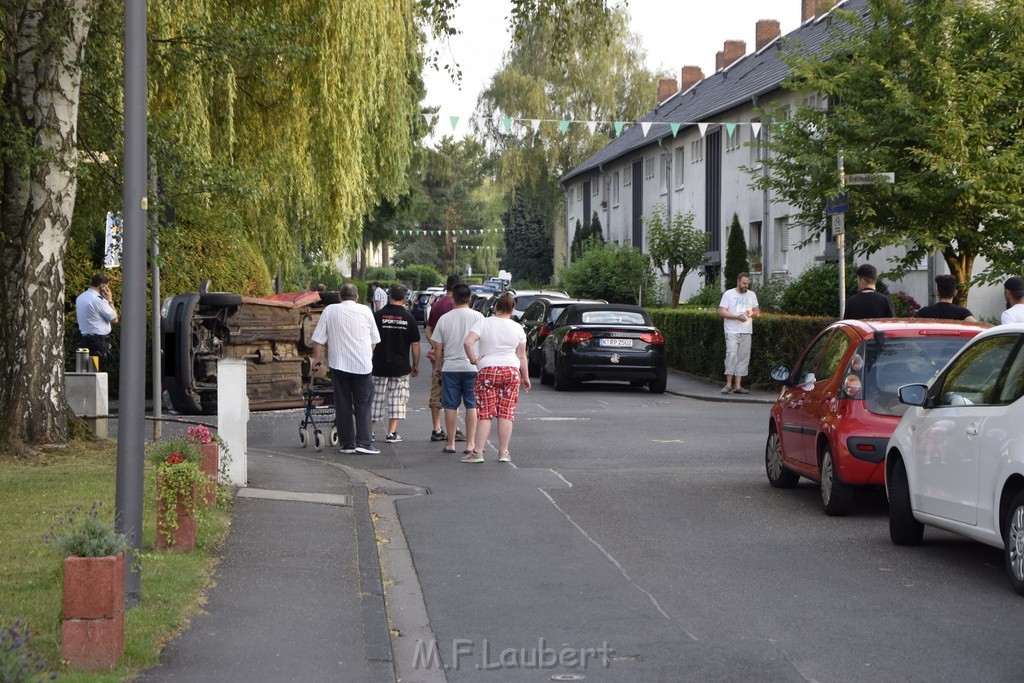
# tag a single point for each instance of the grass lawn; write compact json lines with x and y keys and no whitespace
{"x":34,"y":495}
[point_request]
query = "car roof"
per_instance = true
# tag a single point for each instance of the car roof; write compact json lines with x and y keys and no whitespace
{"x":539,"y":292}
{"x":899,"y":327}
{"x":1009,"y":328}
{"x":584,"y":308}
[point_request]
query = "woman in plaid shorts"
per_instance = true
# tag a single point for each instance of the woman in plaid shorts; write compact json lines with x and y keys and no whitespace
{"x":501,"y":363}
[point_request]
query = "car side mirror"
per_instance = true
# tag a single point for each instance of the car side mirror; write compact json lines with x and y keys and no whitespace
{"x":780,"y":373}
{"x":913,"y":394}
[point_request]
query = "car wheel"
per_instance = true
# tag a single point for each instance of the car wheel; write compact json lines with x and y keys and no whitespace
{"x":304,"y":437}
{"x":318,"y":440}
{"x":220,"y":299}
{"x":658,"y":385}
{"x":562,"y":380}
{"x":1014,"y":543}
{"x":835,"y":495}
{"x":778,"y":476}
{"x":904,"y":529}
{"x":545,"y":376}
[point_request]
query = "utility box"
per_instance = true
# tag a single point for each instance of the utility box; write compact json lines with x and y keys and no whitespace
{"x":88,"y":395}
{"x":233,"y":416}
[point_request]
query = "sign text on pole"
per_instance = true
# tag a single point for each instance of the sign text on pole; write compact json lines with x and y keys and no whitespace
{"x":837,"y":205}
{"x":871,"y":178}
{"x":838,"y":223}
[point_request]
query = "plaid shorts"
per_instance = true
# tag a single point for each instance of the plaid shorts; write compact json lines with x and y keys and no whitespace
{"x":497,"y":392}
{"x":391,"y":395}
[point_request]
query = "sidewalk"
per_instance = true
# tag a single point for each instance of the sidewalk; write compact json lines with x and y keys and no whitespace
{"x":689,"y":386}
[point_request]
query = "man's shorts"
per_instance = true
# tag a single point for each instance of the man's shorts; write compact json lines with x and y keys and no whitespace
{"x":737,"y":354}
{"x":457,"y":387}
{"x":390,"y":397}
{"x":497,"y":392}
{"x":435,"y":392}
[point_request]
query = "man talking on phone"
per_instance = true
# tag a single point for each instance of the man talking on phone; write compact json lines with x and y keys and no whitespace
{"x":95,"y":311}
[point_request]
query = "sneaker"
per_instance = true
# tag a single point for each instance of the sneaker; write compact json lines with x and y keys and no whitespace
{"x":367,"y":450}
{"x":473,"y":457}
{"x":438,"y":435}
{"x":505,"y":457}
{"x":348,"y":449}
{"x":459,"y":436}
{"x":393,"y":437}
{"x":741,"y":390}
{"x":726,"y":390}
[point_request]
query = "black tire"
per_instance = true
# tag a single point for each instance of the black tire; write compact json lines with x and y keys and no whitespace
{"x":333,"y":297}
{"x":532,"y":366}
{"x":778,"y":476}
{"x":904,"y":529}
{"x":545,"y":376}
{"x":562,"y":380}
{"x":658,"y":385}
{"x":220,"y":299}
{"x":1013,"y":543}
{"x":835,"y":495}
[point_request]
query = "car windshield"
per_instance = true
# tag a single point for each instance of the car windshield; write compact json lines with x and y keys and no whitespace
{"x":613,"y":318}
{"x":423,"y":298}
{"x":902,"y":361}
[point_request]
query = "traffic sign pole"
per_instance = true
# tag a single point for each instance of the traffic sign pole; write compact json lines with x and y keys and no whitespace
{"x":839,"y":220}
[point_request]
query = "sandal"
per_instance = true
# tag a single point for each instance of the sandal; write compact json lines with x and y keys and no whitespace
{"x":468,"y":451}
{"x":447,"y":449}
{"x":474,"y":456}
{"x":505,"y":457}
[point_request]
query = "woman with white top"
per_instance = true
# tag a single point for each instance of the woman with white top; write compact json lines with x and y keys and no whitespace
{"x":501,"y":364}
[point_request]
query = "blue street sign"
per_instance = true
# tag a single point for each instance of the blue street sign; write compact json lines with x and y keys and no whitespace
{"x":837,"y":205}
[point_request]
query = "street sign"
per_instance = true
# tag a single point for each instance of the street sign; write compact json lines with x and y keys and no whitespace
{"x":837,"y":205}
{"x":871,"y":179}
{"x":838,"y":223}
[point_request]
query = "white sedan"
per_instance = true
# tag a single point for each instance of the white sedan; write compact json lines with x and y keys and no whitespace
{"x":956,"y":460}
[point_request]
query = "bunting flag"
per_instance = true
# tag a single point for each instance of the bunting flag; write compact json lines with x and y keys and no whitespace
{"x":730,"y":128}
{"x":645,"y":126}
{"x":675,"y":129}
{"x":455,"y":122}
{"x":507,"y":124}
{"x":563,"y":126}
{"x":435,"y":231}
{"x":703,"y":128}
{"x":618,"y":127}
{"x":536,"y":125}
{"x":430,"y":119}
{"x":592,"y":127}
{"x":755,"y":127}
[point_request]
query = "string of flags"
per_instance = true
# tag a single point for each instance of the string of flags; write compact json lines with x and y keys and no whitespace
{"x":506,"y":123}
{"x":466,"y":231}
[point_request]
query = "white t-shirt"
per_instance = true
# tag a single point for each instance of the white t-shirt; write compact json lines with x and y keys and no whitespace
{"x":1013,"y":314}
{"x":737,"y":303}
{"x":451,"y":331}
{"x":380,"y":298}
{"x":499,"y":339}
{"x":350,"y":332}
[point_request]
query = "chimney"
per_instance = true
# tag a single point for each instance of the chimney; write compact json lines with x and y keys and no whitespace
{"x":731,"y":51}
{"x":667,"y":87}
{"x":767,"y":31}
{"x":691,"y":76}
{"x":809,"y":9}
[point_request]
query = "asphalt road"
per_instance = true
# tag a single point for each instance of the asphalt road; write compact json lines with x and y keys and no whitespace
{"x":645,"y":524}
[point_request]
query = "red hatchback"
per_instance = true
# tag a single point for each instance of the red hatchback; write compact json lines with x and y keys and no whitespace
{"x":839,"y":404}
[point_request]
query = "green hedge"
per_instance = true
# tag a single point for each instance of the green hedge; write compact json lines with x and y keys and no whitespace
{"x":695,"y":342}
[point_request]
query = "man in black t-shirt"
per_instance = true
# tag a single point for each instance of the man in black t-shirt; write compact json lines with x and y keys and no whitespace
{"x":945,"y":309}
{"x":399,"y":338}
{"x":867,"y":303}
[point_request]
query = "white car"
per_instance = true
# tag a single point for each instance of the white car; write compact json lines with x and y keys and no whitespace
{"x":956,"y":459}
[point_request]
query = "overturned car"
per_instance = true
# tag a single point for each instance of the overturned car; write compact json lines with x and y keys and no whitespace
{"x":271,"y":333}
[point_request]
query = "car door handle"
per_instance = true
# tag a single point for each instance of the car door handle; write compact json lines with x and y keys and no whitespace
{"x":972,"y":430}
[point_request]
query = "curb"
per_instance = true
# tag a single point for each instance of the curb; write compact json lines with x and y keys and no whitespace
{"x":724,"y":398}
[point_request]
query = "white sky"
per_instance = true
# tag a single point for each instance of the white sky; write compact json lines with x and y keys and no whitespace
{"x":674,"y":33}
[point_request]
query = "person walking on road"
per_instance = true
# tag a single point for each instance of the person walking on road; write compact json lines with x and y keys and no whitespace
{"x":1013,"y":292}
{"x":94,"y":309}
{"x":867,"y":303}
{"x":350,"y":334}
{"x":399,"y":335}
{"x":501,"y":368}
{"x":453,"y":367}
{"x":738,"y":308}
{"x":944,"y":308}
{"x":439,"y":308}
{"x":380,"y":297}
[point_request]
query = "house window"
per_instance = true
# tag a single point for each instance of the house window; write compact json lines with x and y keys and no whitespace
{"x":596,"y":187}
{"x":627,"y":177}
{"x":678,"y":165}
{"x":782,"y":239}
{"x":648,"y":168}
{"x":697,"y":151}
{"x":665,"y":169}
{"x":615,"y":189}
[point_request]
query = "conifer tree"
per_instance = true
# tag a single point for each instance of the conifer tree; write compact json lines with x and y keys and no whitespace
{"x":735,"y":253}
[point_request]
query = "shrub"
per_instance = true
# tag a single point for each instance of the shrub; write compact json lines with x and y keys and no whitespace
{"x":904,"y":305}
{"x":709,"y":296}
{"x":816,"y":291}
{"x":381,"y":273}
{"x":420,"y":277}
{"x":616,"y":274}
{"x":769,"y":293}
{"x":85,"y":535}
{"x":18,"y":664}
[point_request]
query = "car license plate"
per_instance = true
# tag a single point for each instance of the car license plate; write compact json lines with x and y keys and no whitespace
{"x":616,"y":342}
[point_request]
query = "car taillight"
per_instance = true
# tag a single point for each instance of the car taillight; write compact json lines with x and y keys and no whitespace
{"x":652,"y":338}
{"x":575,"y":336}
{"x":852,"y":386}
{"x":543,"y":331}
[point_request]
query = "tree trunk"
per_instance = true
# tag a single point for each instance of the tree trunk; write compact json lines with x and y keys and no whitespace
{"x":961,"y":266}
{"x":45,"y":45}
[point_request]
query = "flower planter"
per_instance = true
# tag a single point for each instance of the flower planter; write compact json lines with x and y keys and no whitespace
{"x":210,"y":465}
{"x":182,"y":538}
{"x":92,"y":633}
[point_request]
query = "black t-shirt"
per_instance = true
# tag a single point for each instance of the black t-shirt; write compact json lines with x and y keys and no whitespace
{"x":944,"y":310}
{"x":398,"y":330}
{"x":868,"y":303}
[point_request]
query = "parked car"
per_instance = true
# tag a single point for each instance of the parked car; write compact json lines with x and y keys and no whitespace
{"x":839,"y":405}
{"x":272,"y":334}
{"x":956,"y":460}
{"x":526,"y":297}
{"x":604,"y":342}
{"x":420,"y":301}
{"x":538,"y":321}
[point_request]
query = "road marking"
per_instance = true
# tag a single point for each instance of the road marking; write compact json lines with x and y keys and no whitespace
{"x":560,"y":419}
{"x":559,"y":475}
{"x":667,"y":440}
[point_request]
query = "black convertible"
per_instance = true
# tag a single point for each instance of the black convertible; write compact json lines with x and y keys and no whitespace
{"x":604,"y":342}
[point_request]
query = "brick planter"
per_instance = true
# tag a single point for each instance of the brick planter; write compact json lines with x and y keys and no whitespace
{"x":210,"y":465}
{"x":92,"y":633}
{"x":181,"y":539}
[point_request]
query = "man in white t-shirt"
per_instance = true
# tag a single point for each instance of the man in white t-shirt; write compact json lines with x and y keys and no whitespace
{"x":1013,"y":292}
{"x":738,"y":308}
{"x":380,"y":297}
{"x":453,"y":367}
{"x":350,"y":333}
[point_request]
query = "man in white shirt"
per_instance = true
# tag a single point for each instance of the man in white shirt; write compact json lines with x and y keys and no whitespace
{"x":738,"y":308}
{"x":380,"y":297}
{"x":1013,"y":292}
{"x":95,"y":311}
{"x":350,"y":333}
{"x":453,"y":367}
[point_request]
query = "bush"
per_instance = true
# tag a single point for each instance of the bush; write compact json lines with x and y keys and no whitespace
{"x":816,"y":291}
{"x":904,"y":305}
{"x":84,"y":534}
{"x":769,"y":294}
{"x":709,"y":296}
{"x":381,"y":273}
{"x":695,"y":342}
{"x":420,"y":277}
{"x":617,"y":274}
